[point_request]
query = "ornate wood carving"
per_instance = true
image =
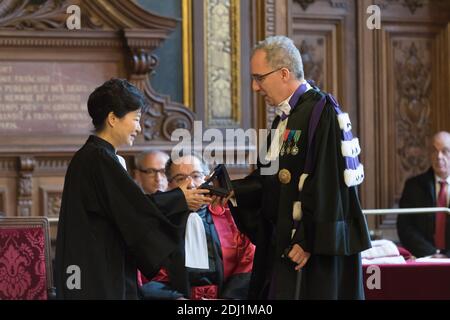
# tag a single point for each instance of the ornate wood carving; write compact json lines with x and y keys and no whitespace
{"x":412,"y":5}
{"x":269,"y":30}
{"x":50,"y":200}
{"x":112,"y":24}
{"x":7,"y":165}
{"x":119,"y":38}
{"x":339,"y":4}
{"x":270,"y":18}
{"x":319,"y":48}
{"x":2,"y":201}
{"x":402,"y":90}
{"x":32,"y":15}
{"x":222,"y":63}
{"x":304,"y":3}
{"x":413,"y":89}
{"x":313,"y":56}
{"x":52,"y":165}
{"x":162,"y":117}
{"x":25,"y":185}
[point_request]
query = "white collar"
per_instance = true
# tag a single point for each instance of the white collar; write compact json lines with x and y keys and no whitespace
{"x":437,"y":179}
{"x":284,"y":107}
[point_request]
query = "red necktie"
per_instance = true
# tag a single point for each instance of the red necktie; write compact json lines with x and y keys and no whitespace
{"x":439,"y":233}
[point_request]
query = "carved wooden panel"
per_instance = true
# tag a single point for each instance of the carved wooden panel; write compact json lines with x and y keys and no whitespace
{"x":50,"y":200}
{"x":318,"y":47}
{"x":3,"y":200}
{"x":46,"y":86}
{"x":404,"y":91}
{"x":324,"y":32}
{"x":46,"y":75}
{"x":412,"y":72}
{"x":271,"y":18}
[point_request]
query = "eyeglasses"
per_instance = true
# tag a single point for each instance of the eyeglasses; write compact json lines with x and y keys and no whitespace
{"x":152,"y":172}
{"x":261,"y":77}
{"x":180,"y":178}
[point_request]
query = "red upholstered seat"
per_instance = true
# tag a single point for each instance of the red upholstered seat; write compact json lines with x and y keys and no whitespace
{"x":25,"y":269}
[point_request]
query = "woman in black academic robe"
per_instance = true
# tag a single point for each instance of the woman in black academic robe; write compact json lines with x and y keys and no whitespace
{"x":108,"y":228}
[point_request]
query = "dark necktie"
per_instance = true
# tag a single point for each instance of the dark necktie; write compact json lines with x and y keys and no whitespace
{"x":441,"y":217}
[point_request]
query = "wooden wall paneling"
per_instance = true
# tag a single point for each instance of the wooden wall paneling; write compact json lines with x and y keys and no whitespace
{"x":222,"y":88}
{"x":50,"y":199}
{"x":3,"y":200}
{"x":401,"y":93}
{"x":8,"y":186}
{"x":442,"y":79}
{"x":368,"y":62}
{"x":411,"y":108}
{"x":271,"y":17}
{"x":117,"y":40}
{"x":325,"y":33}
{"x":25,"y":186}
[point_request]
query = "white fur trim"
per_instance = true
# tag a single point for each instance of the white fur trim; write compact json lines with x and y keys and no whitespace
{"x":297,"y":211}
{"x":344,"y":122}
{"x":301,"y":181}
{"x":354,"y":177}
{"x":350,"y":148}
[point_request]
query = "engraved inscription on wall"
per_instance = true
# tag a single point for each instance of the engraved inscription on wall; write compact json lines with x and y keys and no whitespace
{"x":48,"y":97}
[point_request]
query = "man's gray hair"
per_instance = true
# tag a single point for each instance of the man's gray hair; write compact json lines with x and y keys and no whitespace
{"x":282,"y":52}
{"x":170,"y":162}
{"x":141,"y":156}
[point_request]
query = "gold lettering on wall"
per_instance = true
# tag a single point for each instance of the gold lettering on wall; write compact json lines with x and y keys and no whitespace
{"x":47,"y":97}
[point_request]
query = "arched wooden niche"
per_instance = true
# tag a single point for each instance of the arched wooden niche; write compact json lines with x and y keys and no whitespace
{"x":47,"y":71}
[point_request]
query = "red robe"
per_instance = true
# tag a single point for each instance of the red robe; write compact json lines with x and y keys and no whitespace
{"x":235,"y":260}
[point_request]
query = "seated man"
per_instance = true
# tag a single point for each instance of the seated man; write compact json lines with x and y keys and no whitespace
{"x":216,"y":259}
{"x":149,"y":173}
{"x":428,"y":234}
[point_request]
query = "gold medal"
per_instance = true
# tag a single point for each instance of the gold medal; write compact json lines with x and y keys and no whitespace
{"x":294,"y":151}
{"x":284,"y":176}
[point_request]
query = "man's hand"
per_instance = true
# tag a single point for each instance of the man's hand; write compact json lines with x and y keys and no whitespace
{"x":298,"y":256}
{"x":195,"y":198}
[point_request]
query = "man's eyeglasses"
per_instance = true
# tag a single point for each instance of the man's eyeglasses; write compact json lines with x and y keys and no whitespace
{"x":261,"y":77}
{"x":180,"y":178}
{"x":152,"y":172}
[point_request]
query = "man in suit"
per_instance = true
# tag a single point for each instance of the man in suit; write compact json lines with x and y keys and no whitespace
{"x":149,"y":173}
{"x":215,"y":261}
{"x":428,"y":234}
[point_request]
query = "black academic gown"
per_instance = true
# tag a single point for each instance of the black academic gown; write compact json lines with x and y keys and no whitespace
{"x":333,"y":228}
{"x":416,"y":231}
{"x":180,"y":279}
{"x":108,"y":228}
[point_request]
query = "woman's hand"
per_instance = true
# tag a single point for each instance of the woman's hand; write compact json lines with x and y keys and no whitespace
{"x":195,"y":198}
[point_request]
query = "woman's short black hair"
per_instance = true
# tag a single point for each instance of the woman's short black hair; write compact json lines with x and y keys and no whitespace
{"x":115,"y":95}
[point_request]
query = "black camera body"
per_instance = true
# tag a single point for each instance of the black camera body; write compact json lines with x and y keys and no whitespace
{"x":220,"y":174}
